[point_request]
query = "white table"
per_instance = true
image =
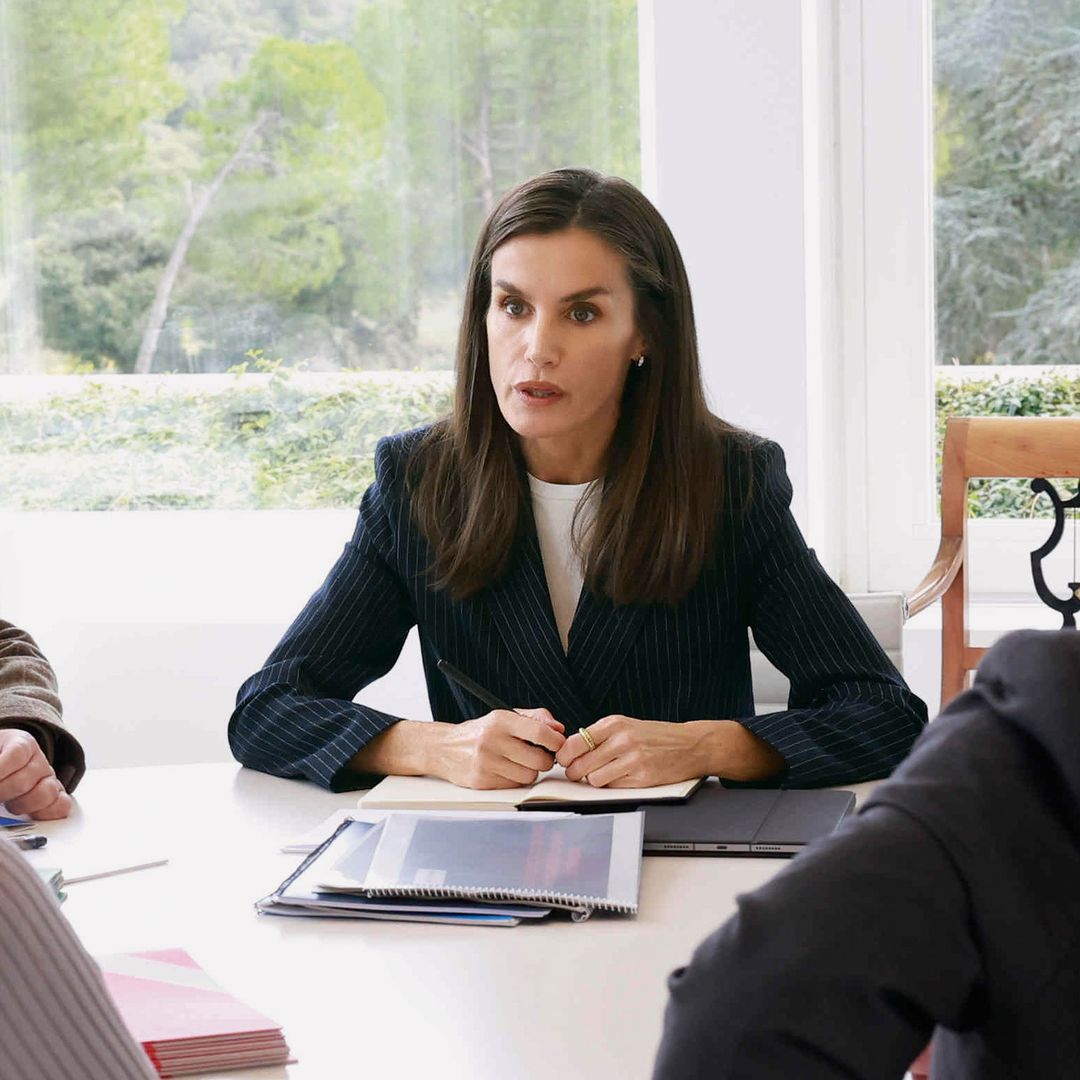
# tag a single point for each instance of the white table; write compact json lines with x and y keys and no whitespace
{"x":363,"y":999}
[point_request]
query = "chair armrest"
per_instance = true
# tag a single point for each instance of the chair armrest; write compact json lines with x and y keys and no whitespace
{"x":947,"y":563}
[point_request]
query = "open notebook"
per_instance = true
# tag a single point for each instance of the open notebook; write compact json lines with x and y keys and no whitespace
{"x":552,"y":792}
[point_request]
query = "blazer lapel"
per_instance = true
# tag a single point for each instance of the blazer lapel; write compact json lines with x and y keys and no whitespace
{"x":520,"y":608}
{"x":600,"y":637}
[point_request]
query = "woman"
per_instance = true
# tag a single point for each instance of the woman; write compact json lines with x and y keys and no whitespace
{"x":583,"y":538}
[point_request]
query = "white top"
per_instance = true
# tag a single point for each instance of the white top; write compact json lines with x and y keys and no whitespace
{"x":553,"y":510}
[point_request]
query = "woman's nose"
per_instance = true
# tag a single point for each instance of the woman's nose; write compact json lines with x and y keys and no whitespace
{"x":542,"y":348}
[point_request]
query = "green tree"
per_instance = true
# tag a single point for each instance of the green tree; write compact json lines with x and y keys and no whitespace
{"x":482,"y":94}
{"x":98,"y":273}
{"x":1008,"y":191}
{"x":304,"y":112}
{"x":86,"y":78}
{"x":308,"y":176}
{"x":92,"y":73}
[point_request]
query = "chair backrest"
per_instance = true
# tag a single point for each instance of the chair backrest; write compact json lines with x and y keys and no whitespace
{"x":882,"y":612}
{"x":1012,"y":446}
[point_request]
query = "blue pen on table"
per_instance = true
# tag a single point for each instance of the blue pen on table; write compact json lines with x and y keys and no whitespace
{"x":32,"y":842}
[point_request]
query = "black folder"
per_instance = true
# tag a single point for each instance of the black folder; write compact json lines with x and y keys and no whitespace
{"x":744,"y":821}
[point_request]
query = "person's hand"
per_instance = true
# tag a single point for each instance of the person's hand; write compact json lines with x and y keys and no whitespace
{"x":632,"y":753}
{"x":28,"y":784}
{"x":500,"y":749}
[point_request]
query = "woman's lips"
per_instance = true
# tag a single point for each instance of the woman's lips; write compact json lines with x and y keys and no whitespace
{"x":538,"y":395}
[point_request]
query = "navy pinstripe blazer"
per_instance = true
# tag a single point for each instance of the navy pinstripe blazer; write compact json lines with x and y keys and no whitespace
{"x":850,"y":717}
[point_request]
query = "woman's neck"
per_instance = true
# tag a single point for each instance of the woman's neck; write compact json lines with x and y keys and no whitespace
{"x":560,"y":462}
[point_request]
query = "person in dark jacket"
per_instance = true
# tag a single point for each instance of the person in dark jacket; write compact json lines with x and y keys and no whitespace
{"x":40,"y":761}
{"x":950,"y":905}
{"x":587,"y":542}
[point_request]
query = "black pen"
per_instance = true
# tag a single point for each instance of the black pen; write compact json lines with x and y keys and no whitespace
{"x":474,"y":688}
{"x":29,"y":843}
{"x":477,"y":691}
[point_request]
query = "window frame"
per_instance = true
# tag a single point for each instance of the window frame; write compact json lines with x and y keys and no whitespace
{"x":886,"y":123}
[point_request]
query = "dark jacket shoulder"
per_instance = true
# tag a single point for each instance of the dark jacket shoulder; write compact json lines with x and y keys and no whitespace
{"x":394,"y":452}
{"x":1017,"y":718}
{"x":1031,"y":680}
{"x":754,"y":467}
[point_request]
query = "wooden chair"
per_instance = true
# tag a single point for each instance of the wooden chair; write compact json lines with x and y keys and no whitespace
{"x":1016,"y":446}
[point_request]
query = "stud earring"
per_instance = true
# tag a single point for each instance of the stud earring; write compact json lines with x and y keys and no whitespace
{"x":639,"y":361}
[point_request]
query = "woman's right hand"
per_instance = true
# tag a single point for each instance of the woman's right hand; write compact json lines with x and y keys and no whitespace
{"x":498,"y":750}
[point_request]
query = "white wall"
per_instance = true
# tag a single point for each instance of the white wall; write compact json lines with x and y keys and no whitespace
{"x":724,"y":165}
{"x":156,"y":623}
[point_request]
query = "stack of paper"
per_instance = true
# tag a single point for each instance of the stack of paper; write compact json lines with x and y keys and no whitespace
{"x":352,"y":844}
{"x":185,"y":1022}
{"x":491,"y":869}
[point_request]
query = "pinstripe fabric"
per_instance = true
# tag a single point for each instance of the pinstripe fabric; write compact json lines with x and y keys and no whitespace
{"x":850,"y":714}
{"x":57,"y":1021}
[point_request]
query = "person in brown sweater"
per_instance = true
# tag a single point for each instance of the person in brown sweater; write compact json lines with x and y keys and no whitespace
{"x":40,"y":761}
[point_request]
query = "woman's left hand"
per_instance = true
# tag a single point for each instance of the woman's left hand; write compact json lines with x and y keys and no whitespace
{"x":633,"y":753}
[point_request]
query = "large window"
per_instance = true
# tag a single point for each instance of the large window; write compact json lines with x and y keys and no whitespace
{"x":1007,"y":217}
{"x":233,"y":232}
{"x":1007,"y":171}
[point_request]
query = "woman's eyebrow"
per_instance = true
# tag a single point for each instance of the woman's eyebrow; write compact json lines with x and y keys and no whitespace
{"x":581,"y":294}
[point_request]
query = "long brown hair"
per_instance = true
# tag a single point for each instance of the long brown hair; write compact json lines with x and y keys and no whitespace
{"x":664,"y":487}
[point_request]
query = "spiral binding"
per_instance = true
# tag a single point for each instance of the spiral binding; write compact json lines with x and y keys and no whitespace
{"x":572,"y":902}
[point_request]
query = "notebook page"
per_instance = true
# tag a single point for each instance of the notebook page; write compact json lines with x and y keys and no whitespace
{"x":429,"y":793}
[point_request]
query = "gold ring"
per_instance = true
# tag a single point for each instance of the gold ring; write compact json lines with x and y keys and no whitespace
{"x":584,"y":733}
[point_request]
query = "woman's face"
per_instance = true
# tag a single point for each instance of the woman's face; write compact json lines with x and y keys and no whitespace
{"x":561,"y":336}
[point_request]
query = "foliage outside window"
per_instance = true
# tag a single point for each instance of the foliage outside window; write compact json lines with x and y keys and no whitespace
{"x":1052,"y":394}
{"x":183,"y":181}
{"x":272,"y":437}
{"x":1007,"y":207}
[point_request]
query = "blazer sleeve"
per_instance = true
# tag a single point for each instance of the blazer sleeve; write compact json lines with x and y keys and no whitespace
{"x":851,"y":716}
{"x":839,"y":967}
{"x":29,"y":700}
{"x":296,"y":717}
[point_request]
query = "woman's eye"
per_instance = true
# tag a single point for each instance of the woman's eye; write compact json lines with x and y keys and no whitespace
{"x":513,"y":307}
{"x":584,"y":316}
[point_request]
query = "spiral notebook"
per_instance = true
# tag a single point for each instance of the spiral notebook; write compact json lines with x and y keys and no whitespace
{"x":584,"y":864}
{"x":352,"y":846}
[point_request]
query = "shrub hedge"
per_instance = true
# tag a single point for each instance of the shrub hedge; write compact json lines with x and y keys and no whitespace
{"x":1053,"y":394}
{"x":284,"y":439}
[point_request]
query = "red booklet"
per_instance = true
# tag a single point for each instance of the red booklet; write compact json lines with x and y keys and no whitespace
{"x":184,"y":1020}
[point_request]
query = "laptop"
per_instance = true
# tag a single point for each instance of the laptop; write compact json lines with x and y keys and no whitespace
{"x":744,"y":821}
